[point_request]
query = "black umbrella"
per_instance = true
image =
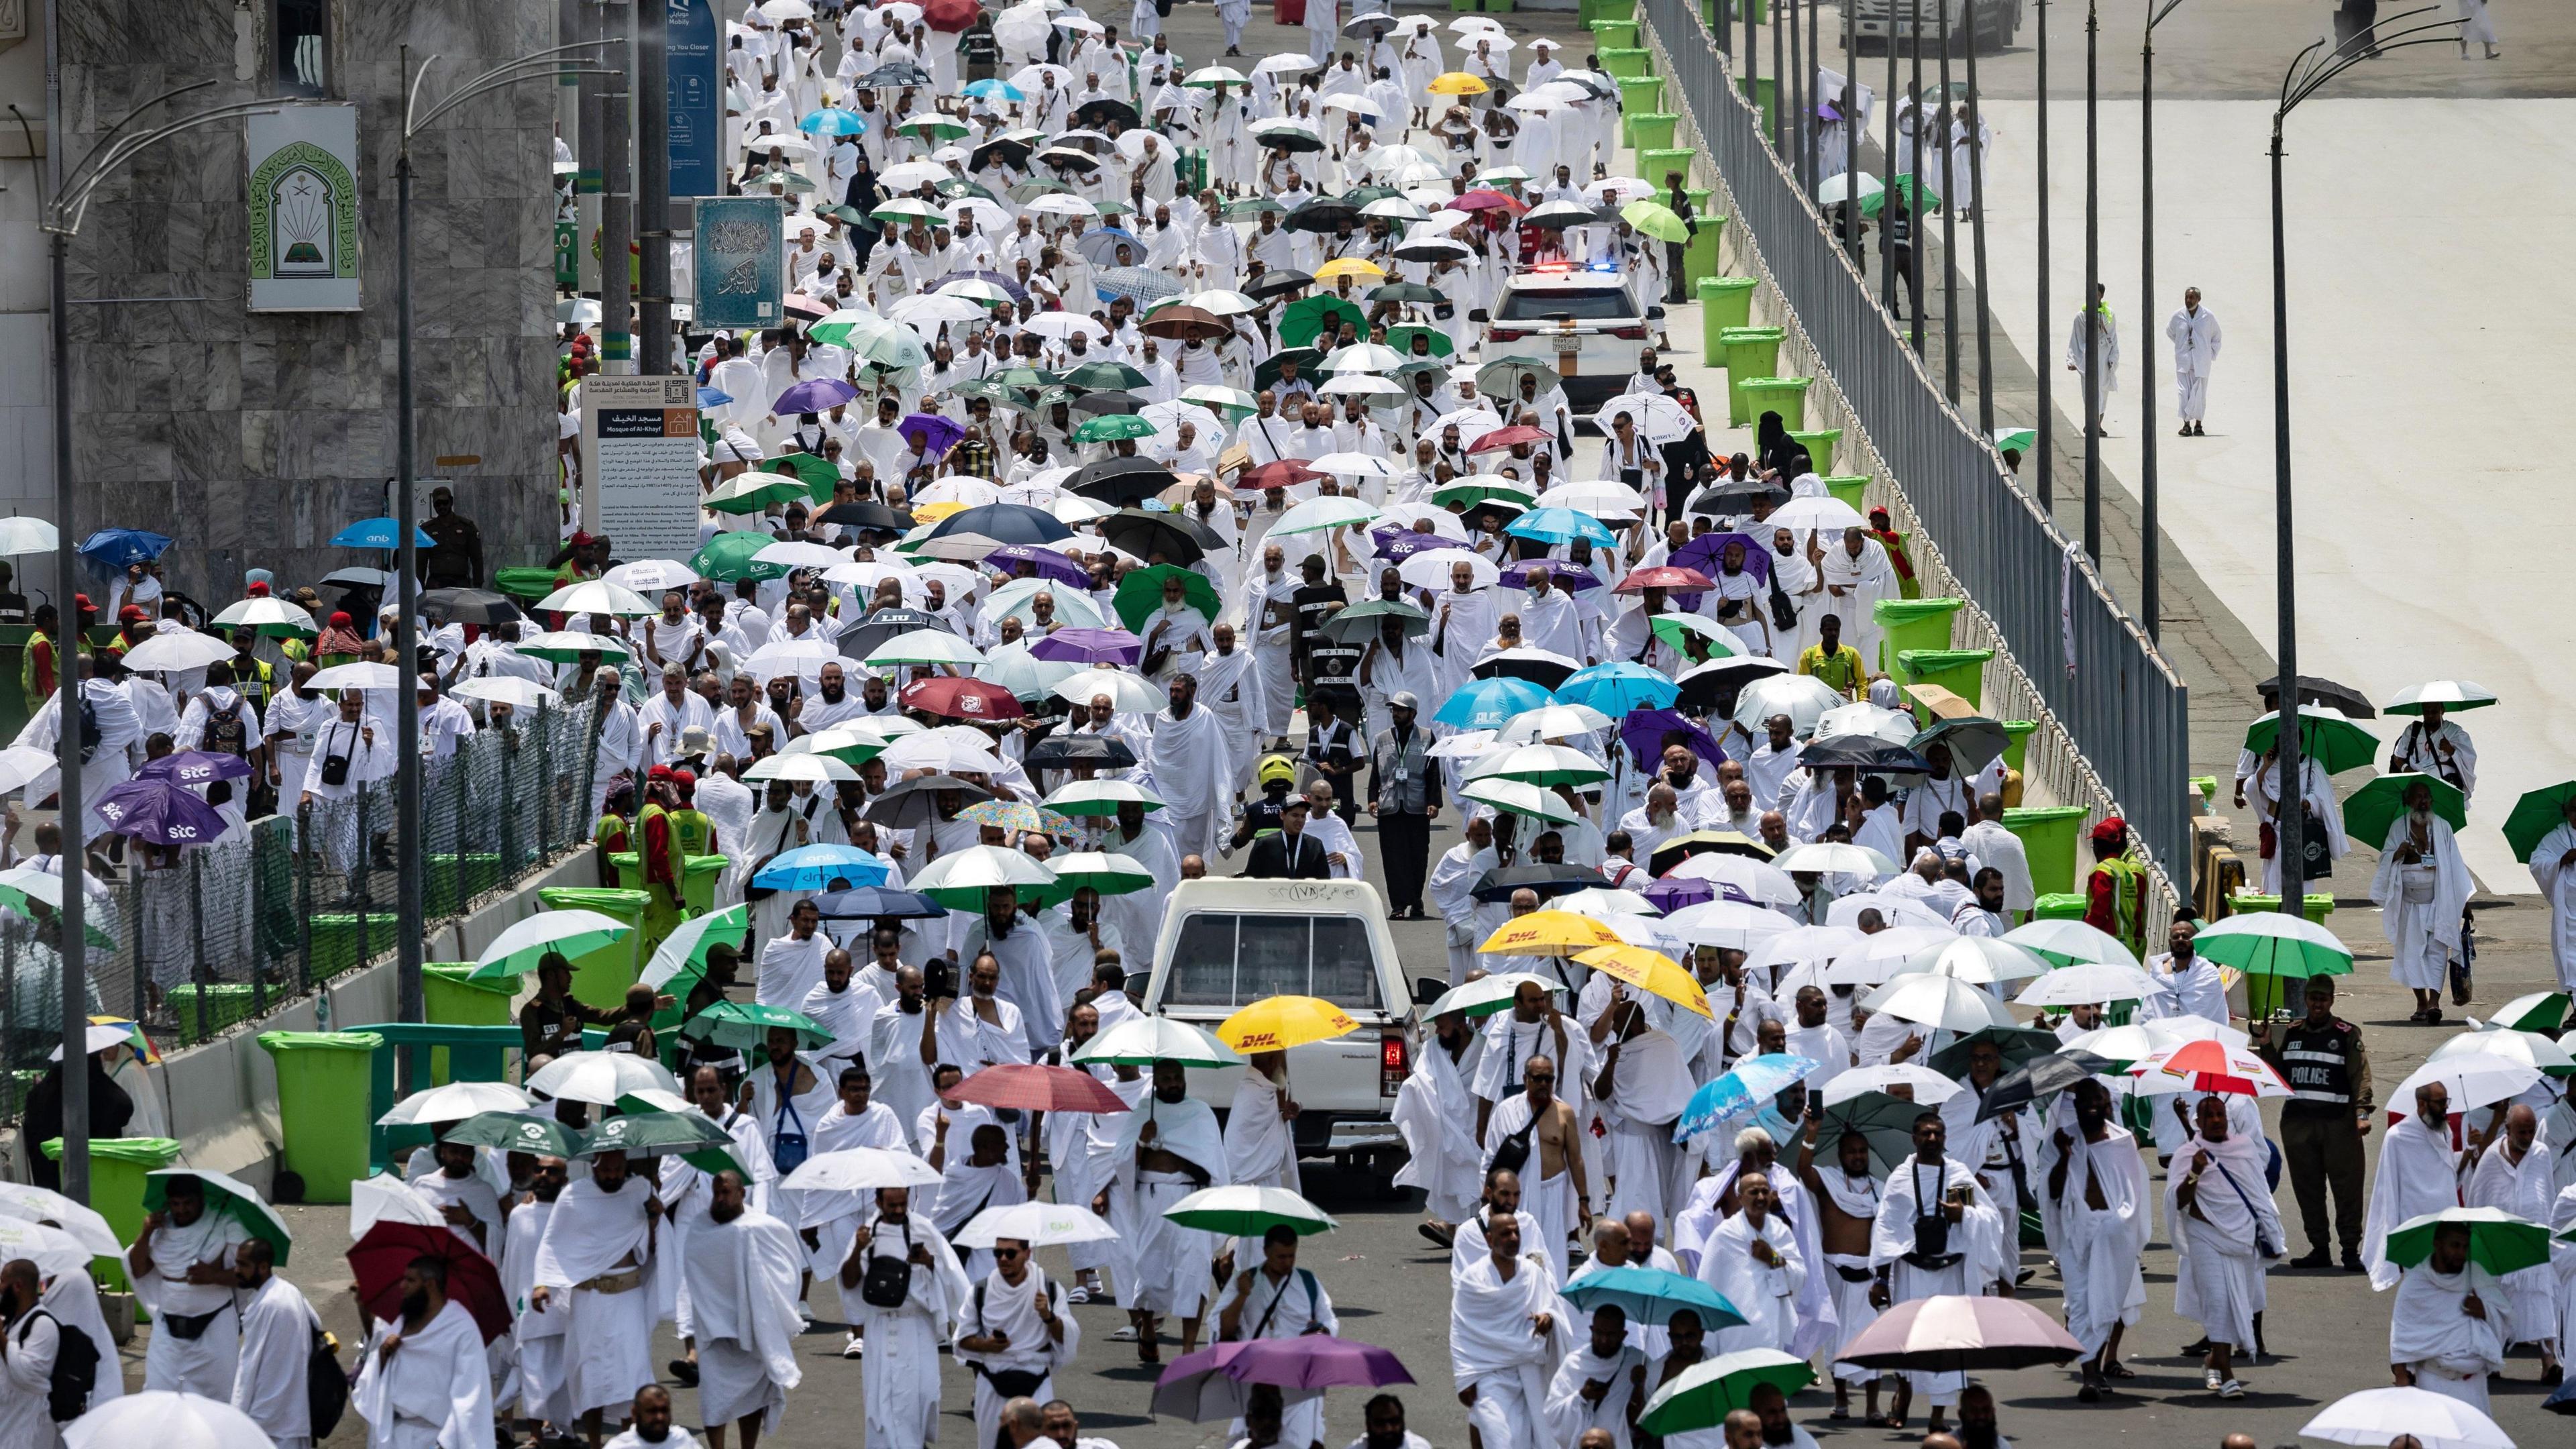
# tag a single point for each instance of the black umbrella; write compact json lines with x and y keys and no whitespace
{"x":1371,"y":26}
{"x":915,"y":802}
{"x":1712,"y":687}
{"x":1495,"y":886}
{"x":1005,"y":523}
{"x":1526,"y":664}
{"x":1974,"y":741}
{"x":1147,"y":534}
{"x":1069,"y":156}
{"x":1277,"y":284}
{"x":868,"y":517}
{"x":468,"y":606}
{"x":1100,"y":113}
{"x":1062,"y":752}
{"x":2343,"y":699}
{"x":2041,"y":1076}
{"x":2019,"y":1045}
{"x":1433,"y":249}
{"x":1013,"y":151}
{"x":1266,"y":372}
{"x":1885,"y":1121}
{"x":1285,"y":137}
{"x":1406,"y":292}
{"x":871,"y":631}
{"x":1862,"y":752}
{"x":1123,"y":482}
{"x":1322,"y":214}
{"x":1705,"y":842}
{"x":893,"y":74}
{"x":1732,"y":495}
{"x":862,"y":903}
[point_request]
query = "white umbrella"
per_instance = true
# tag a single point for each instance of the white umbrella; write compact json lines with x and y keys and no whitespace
{"x":1938,"y":1001}
{"x":1906,"y":911}
{"x":596,"y":596}
{"x":2075,"y":940}
{"x":1464,"y":745}
{"x":1828,"y":857}
{"x":2527,"y":1047}
{"x":53,"y":1251}
{"x":651,"y":575}
{"x":37,"y":1204}
{"x":28,"y":535}
{"x":1144,"y":1039}
{"x":1980,"y":959}
{"x":509,"y":689}
{"x":455,"y":1102}
{"x":982,"y":867}
{"x":1593,"y":495}
{"x":1805,"y":515}
{"x":797,"y":553}
{"x":1659,"y":418}
{"x":1883,"y":956}
{"x":1363,"y":385}
{"x":165,"y":1420}
{"x":1551,"y":722}
{"x":2472,"y":1080}
{"x":1038,"y":1224}
{"x":1803,"y":946}
{"x":806,"y":768}
{"x":803,"y":658}
{"x":1759,"y":879}
{"x":860,"y":1169}
{"x":1867,"y":720}
{"x":97,"y":1038}
{"x":1430,"y":568}
{"x":929,"y":751}
{"x":1931,"y":1089}
{"x":181,"y":650}
{"x":1603,"y":903}
{"x":1346,"y":465}
{"x":1486,"y":990}
{"x":256,"y":613}
{"x":1520,"y":761}
{"x":517,"y":949}
{"x":1733,"y":925}
{"x":2089,"y":982}
{"x":1802,"y":697}
{"x":365,"y":674}
{"x":23,"y":766}
{"x":1128,"y":693}
{"x":2380,"y":1416}
{"x":386,"y":1198}
{"x":599,"y":1077}
{"x":1515,"y":798}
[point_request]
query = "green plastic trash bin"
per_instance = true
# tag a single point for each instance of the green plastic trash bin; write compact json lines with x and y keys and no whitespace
{"x":601,"y":976}
{"x":1786,"y":396}
{"x":1654,"y":130}
{"x":1654,"y":161}
{"x":323,"y":1109}
{"x":1725,"y":304}
{"x":449,"y":997}
{"x":117,"y":1167}
{"x":1639,"y":94}
{"x":337,"y":945}
{"x":1592,"y":10}
{"x":1700,"y":253}
{"x":2058,"y":906}
{"x":1623,"y":60}
{"x":1751,"y":352}
{"x":1960,"y":671}
{"x":1764,"y":94}
{"x":2017,"y":733}
{"x":1613,"y":34}
{"x":697,"y":880}
{"x":448,"y":882}
{"x":226,"y":1003}
{"x":1905,"y":624}
{"x":2047,"y":834}
{"x":2267,"y":994}
{"x":1852,"y":488}
{"x":1819,"y":443}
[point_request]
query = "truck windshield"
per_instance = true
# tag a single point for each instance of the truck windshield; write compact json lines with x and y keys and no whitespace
{"x":1227,"y":960}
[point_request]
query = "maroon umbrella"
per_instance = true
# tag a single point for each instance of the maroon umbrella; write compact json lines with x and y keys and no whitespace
{"x":1285,"y":473}
{"x":952,"y":16}
{"x":379,"y":1260}
{"x":961,"y":698}
{"x":1949,"y":1334}
{"x":1037,"y":1088}
{"x":1501,"y":438}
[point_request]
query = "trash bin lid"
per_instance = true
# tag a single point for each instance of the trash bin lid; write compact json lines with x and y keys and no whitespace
{"x":609,"y":899}
{"x":1751,"y":334}
{"x":2021,"y":815}
{"x":1899,"y":611}
{"x":1924,"y":661}
{"x":460,"y":973}
{"x":319,"y":1041}
{"x":151,"y":1152}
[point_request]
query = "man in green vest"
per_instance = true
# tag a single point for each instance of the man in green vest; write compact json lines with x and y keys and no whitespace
{"x":653,"y":840}
{"x":2115,"y":894}
{"x":692,"y":833}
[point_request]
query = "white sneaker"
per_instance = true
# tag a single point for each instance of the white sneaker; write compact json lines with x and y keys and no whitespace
{"x":1124,"y":1335}
{"x":2209,"y":1377}
{"x":1077,"y":1294}
{"x":852,"y":1346}
{"x":2231,"y":1390}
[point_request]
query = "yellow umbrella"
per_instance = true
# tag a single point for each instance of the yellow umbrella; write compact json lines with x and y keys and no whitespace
{"x":933,"y":512}
{"x":1458,"y":83}
{"x":1548,"y":933}
{"x":1650,"y":971}
{"x":1349,"y":267}
{"x":1276,"y":1023}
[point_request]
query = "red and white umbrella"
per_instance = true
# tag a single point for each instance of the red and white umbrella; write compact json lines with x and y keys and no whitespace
{"x":2207,"y":1066}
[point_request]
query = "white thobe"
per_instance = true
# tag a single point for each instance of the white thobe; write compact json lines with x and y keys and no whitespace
{"x":2557,"y":884}
{"x":2098,"y":1249}
{"x":1192,"y":760}
{"x":2193,"y":334}
{"x":276,"y":1341}
{"x":436,"y":1390}
{"x":2418,"y":1173}
{"x":1766,"y":1294}
{"x":2430,"y":1331}
{"x":2525,"y":1189}
{"x":742,"y":1280}
{"x":2420,"y":904}
{"x":1497,"y":1351}
{"x":203,"y":1365}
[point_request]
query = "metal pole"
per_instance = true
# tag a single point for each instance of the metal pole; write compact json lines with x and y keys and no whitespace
{"x":2148,"y":600}
{"x":1779,"y":87}
{"x":2286,"y":829}
{"x":1949,"y":228}
{"x":1752,"y":57}
{"x":1977,"y":236}
{"x":653,"y":181}
{"x":73,"y":978}
{"x":617,"y":200}
{"x":1887,"y":176}
{"x":2092,"y":286}
{"x":1809,"y":82}
{"x":1852,"y":140}
{"x":2042,"y":363}
{"x":408,"y":924}
{"x":1913,"y":207}
{"x":1800,"y":78}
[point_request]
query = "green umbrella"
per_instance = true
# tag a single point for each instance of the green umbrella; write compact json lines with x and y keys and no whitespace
{"x":223,"y":1195}
{"x":2018,"y":440}
{"x":1362,"y":620}
{"x":1673,"y":629}
{"x":788,"y":180}
{"x":2536,"y":814}
{"x":1502,"y":376}
{"x":2372,"y":809}
{"x":1025,"y":378}
{"x":1477,"y":489}
{"x":537,"y":1133}
{"x":728,"y":556}
{"x":1247,"y":1211}
{"x":2498,"y":1241}
{"x":905,"y":208}
{"x":954,"y":189}
{"x":1400,"y":337}
{"x":1701,"y":1396}
{"x":1251,"y":207}
{"x":1112,"y":425}
{"x":2273,"y":943}
{"x":1656,"y":220}
{"x":647,"y":1134}
{"x":746,"y":1026}
{"x":818,"y":473}
{"x":1141,"y":593}
{"x":25,"y":890}
{"x":748,"y":493}
{"x":1307,"y":317}
{"x":1920,"y":199}
{"x":1266,"y":371}
{"x":2018,"y":1043}
{"x":1886,"y":1121}
{"x":1105,"y":377}
{"x":680,"y":962}
{"x":2331,"y":740}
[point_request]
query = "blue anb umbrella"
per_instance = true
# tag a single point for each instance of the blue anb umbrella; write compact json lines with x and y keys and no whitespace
{"x":377,"y":533}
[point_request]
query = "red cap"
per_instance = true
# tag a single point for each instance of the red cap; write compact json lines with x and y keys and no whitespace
{"x":82,"y":603}
{"x":580,"y":538}
{"x":258,"y":589}
{"x":658,"y":772}
{"x":131,"y":614}
{"x":2111,"y":829}
{"x":685,"y":780}
{"x":340,"y":618}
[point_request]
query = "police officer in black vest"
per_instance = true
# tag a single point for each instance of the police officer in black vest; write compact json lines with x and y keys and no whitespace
{"x":2322,"y":1124}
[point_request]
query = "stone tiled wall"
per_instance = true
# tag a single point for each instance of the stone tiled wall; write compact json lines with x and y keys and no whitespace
{"x":252,"y":438}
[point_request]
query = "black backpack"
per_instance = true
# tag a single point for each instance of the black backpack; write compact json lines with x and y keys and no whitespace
{"x":225,"y":735}
{"x":326,"y":1386}
{"x":90,"y":737}
{"x":75,"y":1369}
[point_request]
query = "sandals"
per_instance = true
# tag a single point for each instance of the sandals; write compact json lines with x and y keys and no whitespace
{"x":2118,"y":1370}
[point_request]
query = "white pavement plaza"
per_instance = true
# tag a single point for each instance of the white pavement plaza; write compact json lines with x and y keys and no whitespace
{"x":2432,"y":369}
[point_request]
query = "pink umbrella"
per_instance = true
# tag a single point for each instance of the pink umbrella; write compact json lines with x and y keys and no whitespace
{"x":1946,"y":1334}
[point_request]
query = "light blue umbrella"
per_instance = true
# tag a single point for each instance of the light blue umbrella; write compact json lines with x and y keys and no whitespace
{"x":1618,"y":687}
{"x":1742,"y":1090}
{"x":710,"y":397}
{"x":994,"y":90}
{"x":1652,"y":1296}
{"x":377,"y":533}
{"x":1488,"y":704}
{"x":813,"y":867}
{"x":833,"y":121}
{"x":1561,"y":525}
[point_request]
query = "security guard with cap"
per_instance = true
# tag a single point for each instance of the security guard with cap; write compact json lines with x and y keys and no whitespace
{"x":2322,"y":1124}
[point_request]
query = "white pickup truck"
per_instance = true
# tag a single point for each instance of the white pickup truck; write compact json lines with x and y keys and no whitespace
{"x":1227,"y":943}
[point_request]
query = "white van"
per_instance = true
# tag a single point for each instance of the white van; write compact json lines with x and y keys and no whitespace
{"x":1227,"y":943}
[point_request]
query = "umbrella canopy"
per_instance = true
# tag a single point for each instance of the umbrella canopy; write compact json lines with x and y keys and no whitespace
{"x":2498,"y":1241}
{"x":2538,"y":1011}
{"x":1938,"y":1001}
{"x":1649,"y":971}
{"x":165,"y":1419}
{"x":2215,"y":1066}
{"x":1652,"y":1296}
{"x":1245,"y":1211}
{"x":745,"y":1026}
{"x":2334,"y":742}
{"x":961,"y":881}
{"x":2535,"y":815}
{"x":39,"y":1205}
{"x":599,"y":1078}
{"x":656,"y":1133}
{"x":159,"y":812}
{"x":861,"y":1169}
{"x":379,"y":1260}
{"x":1276,"y":1023}
{"x":1144,"y":1040}
{"x":2471,"y":1080}
{"x":532,"y":1131}
{"x":2341,"y":698}
{"x":520,"y":949}
{"x":873,"y":903}
{"x":2375,"y":1417}
{"x":1885,"y":1122}
{"x":1038,"y":1224}
{"x":1196,"y":1386}
{"x":1981,"y":959}
{"x":1488,"y":994}
{"x":1315,"y":1361}
{"x":2040,"y":1077}
{"x":2269,"y":943}
{"x":2369,"y":812}
{"x":2068,"y":942}
{"x":1037,"y":1088}
{"x":455,"y":1102}
{"x":1490,"y":703}
{"x":52,"y":1250}
{"x":2017,"y":1045}
{"x":684,"y":951}
{"x":1701,"y":1396}
{"x":1741,"y":1090}
{"x":2085,"y":984}
{"x":223,"y":1195}
{"x":1950,"y":1334}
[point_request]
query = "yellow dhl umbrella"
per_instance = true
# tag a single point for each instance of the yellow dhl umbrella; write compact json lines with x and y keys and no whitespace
{"x":1650,"y":971}
{"x":1349,"y":267}
{"x":1548,"y":933}
{"x":933,"y":512}
{"x":1276,"y":1023}
{"x":1458,"y":83}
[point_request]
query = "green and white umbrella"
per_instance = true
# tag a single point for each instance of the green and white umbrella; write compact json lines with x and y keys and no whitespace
{"x":1110,"y":875}
{"x":2017,"y":440}
{"x":654,"y":1134}
{"x":1099,"y":799}
{"x":522,"y":948}
{"x":681,"y":960}
{"x":2498,"y":1241}
{"x":269,"y":618}
{"x":960,"y":881}
{"x":925,"y":646}
{"x":25,"y":888}
{"x":2332,"y":741}
{"x":1317,"y":515}
{"x":599,"y":1078}
{"x":2370,"y":811}
{"x":226,"y":1196}
{"x":537,"y":1133}
{"x":2530,"y":1048}
{"x":1515,"y":798}
{"x":1249,"y":1212}
{"x":454,"y":1102}
{"x":1701,"y":1396}
{"x":1838,"y":187}
{"x":2538,"y":1011}
{"x":1038,"y":1224}
{"x":1144,"y":1040}
{"x":566,"y":646}
{"x":745,"y":1026}
{"x":2451,"y":694}
{"x":1540,"y":765}
{"x":1487,"y":995}
{"x":2070,"y":943}
{"x":2273,"y":943}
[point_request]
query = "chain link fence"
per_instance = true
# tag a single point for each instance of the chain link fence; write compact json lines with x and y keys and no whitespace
{"x":192,"y":943}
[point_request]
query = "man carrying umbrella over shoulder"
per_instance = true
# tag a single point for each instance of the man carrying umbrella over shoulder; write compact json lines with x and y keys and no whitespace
{"x":185,"y":1256}
{"x":1169,"y":1147}
{"x":422,"y":1381}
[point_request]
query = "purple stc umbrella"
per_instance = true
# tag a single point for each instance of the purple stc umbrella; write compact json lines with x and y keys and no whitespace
{"x":159,"y":812}
{"x":813,"y":395}
{"x":1315,"y":1361}
{"x":930,"y":433}
{"x":1089,"y":646}
{"x":1403,"y":543}
{"x":1564,"y":575}
{"x":1047,"y":563}
{"x":1672,"y":893}
{"x":1701,"y":554}
{"x":1643,"y":731}
{"x":195,"y":767}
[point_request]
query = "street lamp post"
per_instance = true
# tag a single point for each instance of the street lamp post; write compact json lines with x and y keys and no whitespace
{"x":2040,"y":364}
{"x":1914,"y":207}
{"x":536,"y":65}
{"x":2149,"y":603}
{"x":2092,"y":287}
{"x":1887,"y":167}
{"x":1949,"y":221}
{"x":1977,"y":233}
{"x":2308,"y":74}
{"x":60,"y":219}
{"x":1809,"y":81}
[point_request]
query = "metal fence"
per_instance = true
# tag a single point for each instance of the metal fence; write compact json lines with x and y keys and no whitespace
{"x":2069,"y":655}
{"x":191,"y":944}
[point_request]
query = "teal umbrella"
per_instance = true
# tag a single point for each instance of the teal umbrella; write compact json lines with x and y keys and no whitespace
{"x":745,"y":1026}
{"x":1652,"y":1296}
{"x":536,"y":1133}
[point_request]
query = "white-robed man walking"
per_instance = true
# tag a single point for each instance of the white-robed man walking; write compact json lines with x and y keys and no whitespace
{"x":2226,"y":1231}
{"x":1937,"y":1233}
{"x":182,"y":1269}
{"x":423,"y":1381}
{"x":1194,"y":768}
{"x":277,"y":1328}
{"x":1017,"y":1330}
{"x":2514,"y":1174}
{"x":1508,"y":1330}
{"x":743,"y":1268}
{"x":2553,"y":870}
{"x":2421,"y":890}
{"x":2095,"y":1207}
{"x":910,"y":1290}
{"x":2419,"y":1173}
{"x":2445,"y":1331}
{"x":1168,"y":1148}
{"x":2193,"y":332}
{"x":543,"y":1387}
{"x":1437,"y":1115}
{"x":1753,"y":1260}
{"x":1278,"y":1299}
{"x":597,"y":1256}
